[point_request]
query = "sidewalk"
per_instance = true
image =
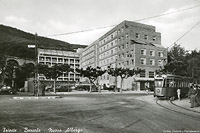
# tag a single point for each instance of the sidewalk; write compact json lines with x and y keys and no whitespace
{"x":82,"y":92}
{"x":102,"y":92}
{"x":184,"y":103}
{"x":29,"y":95}
{"x":52,"y":95}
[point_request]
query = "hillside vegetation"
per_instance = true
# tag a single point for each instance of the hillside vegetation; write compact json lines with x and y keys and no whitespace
{"x":14,"y":42}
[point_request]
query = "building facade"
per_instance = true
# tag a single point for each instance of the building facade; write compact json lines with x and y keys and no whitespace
{"x":128,"y":45}
{"x":89,"y":56}
{"x":52,"y":57}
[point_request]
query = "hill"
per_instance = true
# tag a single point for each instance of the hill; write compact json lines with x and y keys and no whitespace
{"x":14,"y":42}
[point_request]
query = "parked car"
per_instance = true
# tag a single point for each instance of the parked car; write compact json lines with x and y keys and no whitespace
{"x":73,"y":87}
{"x":6,"y":90}
{"x":86,"y":87}
{"x":112,"y":88}
{"x":94,"y":88}
{"x":64,"y":89}
{"x":22,"y":89}
{"x":82,"y":87}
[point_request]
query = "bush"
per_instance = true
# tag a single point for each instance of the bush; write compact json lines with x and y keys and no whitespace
{"x":82,"y":88}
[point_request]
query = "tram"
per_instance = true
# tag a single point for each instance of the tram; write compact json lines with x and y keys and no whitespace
{"x":167,"y":85}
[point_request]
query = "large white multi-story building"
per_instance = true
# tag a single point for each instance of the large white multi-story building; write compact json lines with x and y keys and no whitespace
{"x":127,"y":45}
{"x":52,"y":57}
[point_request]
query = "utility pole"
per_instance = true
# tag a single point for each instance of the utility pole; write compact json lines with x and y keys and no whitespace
{"x":36,"y":87}
{"x":116,"y":76}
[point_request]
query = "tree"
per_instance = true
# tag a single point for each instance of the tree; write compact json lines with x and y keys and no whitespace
{"x":193,"y":64}
{"x":2,"y":67}
{"x":183,"y":63}
{"x":123,"y":73}
{"x":54,"y":71}
{"x":176,"y":63}
{"x":91,"y":73}
{"x":23,"y":73}
{"x":10,"y":72}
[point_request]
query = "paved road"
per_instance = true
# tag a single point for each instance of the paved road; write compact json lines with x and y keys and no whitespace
{"x":109,"y":113}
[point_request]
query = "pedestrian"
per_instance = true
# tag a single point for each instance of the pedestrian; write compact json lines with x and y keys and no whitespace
{"x":104,"y":87}
{"x":147,"y":87}
{"x":192,"y":95}
{"x":198,"y":96}
{"x":43,"y":89}
{"x":179,"y":94}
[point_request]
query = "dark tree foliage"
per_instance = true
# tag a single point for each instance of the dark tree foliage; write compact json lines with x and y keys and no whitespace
{"x":14,"y":42}
{"x":193,"y":64}
{"x":10,"y":72}
{"x":2,"y":67}
{"x":176,"y":63}
{"x":91,"y":73}
{"x":182,"y":62}
{"x":17,"y":50}
{"x":23,"y":73}
{"x":123,"y":73}
{"x":54,"y":71}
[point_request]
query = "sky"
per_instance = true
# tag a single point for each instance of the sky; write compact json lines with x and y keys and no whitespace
{"x":49,"y":18}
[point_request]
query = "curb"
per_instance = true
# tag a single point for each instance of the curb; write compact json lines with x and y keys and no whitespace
{"x":72,"y":93}
{"x":184,"y":107}
{"x":32,"y":97}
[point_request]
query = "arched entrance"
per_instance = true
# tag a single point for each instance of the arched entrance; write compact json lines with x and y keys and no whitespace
{"x":10,"y":72}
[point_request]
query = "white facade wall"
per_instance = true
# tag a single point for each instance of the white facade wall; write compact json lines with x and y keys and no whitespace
{"x":52,"y":57}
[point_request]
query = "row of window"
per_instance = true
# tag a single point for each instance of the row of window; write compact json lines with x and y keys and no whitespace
{"x":151,"y":62}
{"x":108,"y":38}
{"x":107,"y":61}
{"x":131,"y":62}
{"x":126,"y":63}
{"x":129,"y":53}
{"x":151,"y":52}
{"x":53,"y":59}
{"x":88,"y":56}
{"x":60,"y":79}
{"x":146,"y":37}
{"x":57,"y":53}
{"x":109,"y":45}
{"x":52,"y":64}
{"x":88,"y":50}
{"x":142,"y":75}
{"x":113,"y":43}
{"x":122,"y":38}
{"x":88,"y":61}
{"x":108,"y":53}
{"x":112,"y":35}
{"x":123,"y":46}
{"x":175,"y":83}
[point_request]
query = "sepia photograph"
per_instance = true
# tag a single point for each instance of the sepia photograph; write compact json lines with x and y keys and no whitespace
{"x":99,"y":66}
